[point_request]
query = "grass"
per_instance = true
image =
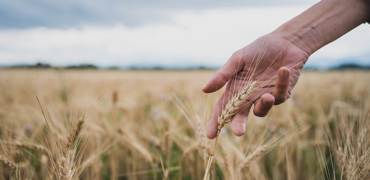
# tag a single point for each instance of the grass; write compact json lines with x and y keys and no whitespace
{"x":151,"y":125}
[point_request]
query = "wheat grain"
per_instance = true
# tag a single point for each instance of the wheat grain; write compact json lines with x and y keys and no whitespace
{"x":67,"y":163}
{"x":234,"y":104}
{"x":74,"y":135}
{"x":8,"y":162}
{"x":35,"y":147}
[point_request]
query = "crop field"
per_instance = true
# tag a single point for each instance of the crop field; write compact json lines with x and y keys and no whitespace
{"x":82,"y":124}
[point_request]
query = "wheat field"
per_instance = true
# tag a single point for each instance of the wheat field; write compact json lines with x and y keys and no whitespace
{"x":70,"y":124}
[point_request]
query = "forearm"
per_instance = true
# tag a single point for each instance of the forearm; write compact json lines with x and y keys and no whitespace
{"x":324,"y":22}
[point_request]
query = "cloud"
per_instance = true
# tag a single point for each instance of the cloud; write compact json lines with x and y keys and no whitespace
{"x":205,"y":37}
{"x":74,"y":13}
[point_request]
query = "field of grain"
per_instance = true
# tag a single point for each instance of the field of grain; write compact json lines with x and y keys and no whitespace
{"x":59,"y":124}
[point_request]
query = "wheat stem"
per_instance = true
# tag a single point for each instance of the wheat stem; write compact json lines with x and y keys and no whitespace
{"x":260,"y":151}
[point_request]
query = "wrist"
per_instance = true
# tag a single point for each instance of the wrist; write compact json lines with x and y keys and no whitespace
{"x":323,"y":23}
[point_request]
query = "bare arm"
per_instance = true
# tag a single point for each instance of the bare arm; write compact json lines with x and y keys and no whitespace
{"x":289,"y":46}
{"x":324,"y":22}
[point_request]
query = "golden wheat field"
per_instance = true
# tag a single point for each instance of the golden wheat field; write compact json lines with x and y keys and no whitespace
{"x":59,"y":124}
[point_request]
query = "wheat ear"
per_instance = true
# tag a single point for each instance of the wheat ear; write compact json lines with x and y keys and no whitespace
{"x":8,"y":162}
{"x":75,"y":133}
{"x":234,"y":104}
{"x":35,"y":147}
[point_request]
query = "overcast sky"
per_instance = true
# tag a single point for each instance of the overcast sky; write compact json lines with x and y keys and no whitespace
{"x":172,"y":32}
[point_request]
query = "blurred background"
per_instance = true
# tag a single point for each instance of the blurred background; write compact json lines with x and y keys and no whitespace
{"x":146,"y":34}
{"x":125,"y":124}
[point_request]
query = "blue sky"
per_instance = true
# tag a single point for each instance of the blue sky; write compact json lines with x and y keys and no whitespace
{"x":122,"y":33}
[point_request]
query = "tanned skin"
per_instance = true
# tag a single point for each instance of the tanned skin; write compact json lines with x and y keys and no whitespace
{"x":282,"y":54}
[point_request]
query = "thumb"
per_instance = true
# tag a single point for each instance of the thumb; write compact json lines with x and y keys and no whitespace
{"x":223,"y":75}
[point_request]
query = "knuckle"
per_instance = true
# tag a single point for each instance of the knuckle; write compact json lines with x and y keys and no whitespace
{"x":259,"y":113}
{"x":279,"y":99}
{"x":282,"y":98}
{"x":236,"y":56}
{"x":222,"y":77}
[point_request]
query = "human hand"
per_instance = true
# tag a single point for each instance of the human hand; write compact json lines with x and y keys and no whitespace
{"x":270,"y":59}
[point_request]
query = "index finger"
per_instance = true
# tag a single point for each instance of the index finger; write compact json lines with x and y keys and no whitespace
{"x":213,"y":122}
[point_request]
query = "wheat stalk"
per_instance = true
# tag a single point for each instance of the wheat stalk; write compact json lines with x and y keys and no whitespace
{"x":258,"y":152}
{"x":227,"y":114}
{"x":67,"y":163}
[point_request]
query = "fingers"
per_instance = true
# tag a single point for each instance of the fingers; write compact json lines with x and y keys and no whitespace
{"x":223,"y":75}
{"x":212,"y":123}
{"x":238,"y":124}
{"x":282,"y":85}
{"x":263,"y":105}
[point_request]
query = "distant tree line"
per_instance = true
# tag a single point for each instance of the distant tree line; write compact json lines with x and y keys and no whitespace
{"x":41,"y":65}
{"x":351,"y":66}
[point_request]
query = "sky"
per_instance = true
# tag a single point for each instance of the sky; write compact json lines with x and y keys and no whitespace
{"x":152,"y":32}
